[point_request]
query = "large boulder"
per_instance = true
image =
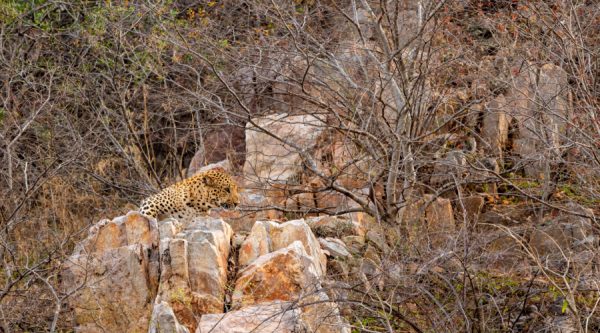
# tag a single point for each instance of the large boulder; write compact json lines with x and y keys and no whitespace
{"x":283,"y":275}
{"x":119,"y":257}
{"x":277,"y":316}
{"x":270,"y":156}
{"x":288,"y":274}
{"x":194,"y":268}
{"x":269,"y":236}
{"x":540,"y":103}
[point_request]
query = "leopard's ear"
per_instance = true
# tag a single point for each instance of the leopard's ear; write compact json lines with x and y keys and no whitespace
{"x":208,"y":180}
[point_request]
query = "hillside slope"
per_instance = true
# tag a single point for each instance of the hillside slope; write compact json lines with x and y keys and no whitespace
{"x":445,"y":155}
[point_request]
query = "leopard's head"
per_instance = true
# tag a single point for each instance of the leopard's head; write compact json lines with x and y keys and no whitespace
{"x":222,"y":190}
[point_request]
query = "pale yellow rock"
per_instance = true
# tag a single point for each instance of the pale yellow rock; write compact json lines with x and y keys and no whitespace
{"x":271,"y":160}
{"x":255,"y":245}
{"x":269,"y":236}
{"x":194,"y":269}
{"x":113,"y":275}
{"x":281,"y":275}
{"x":264,"y":318}
{"x":322,"y":316}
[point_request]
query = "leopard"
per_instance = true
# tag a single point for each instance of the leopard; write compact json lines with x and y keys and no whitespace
{"x":193,"y":196}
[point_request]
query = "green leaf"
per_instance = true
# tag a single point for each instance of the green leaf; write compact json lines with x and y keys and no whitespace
{"x":564,"y":306}
{"x":224,"y":43}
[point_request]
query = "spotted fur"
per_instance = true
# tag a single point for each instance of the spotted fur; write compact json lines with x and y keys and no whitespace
{"x":197,"y":194}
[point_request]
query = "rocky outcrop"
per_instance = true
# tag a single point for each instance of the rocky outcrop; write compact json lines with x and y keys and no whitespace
{"x":119,"y":257}
{"x":133,"y":274}
{"x":279,"y":284}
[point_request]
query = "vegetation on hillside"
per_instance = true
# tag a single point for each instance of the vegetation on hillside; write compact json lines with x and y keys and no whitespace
{"x":104,"y":102}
